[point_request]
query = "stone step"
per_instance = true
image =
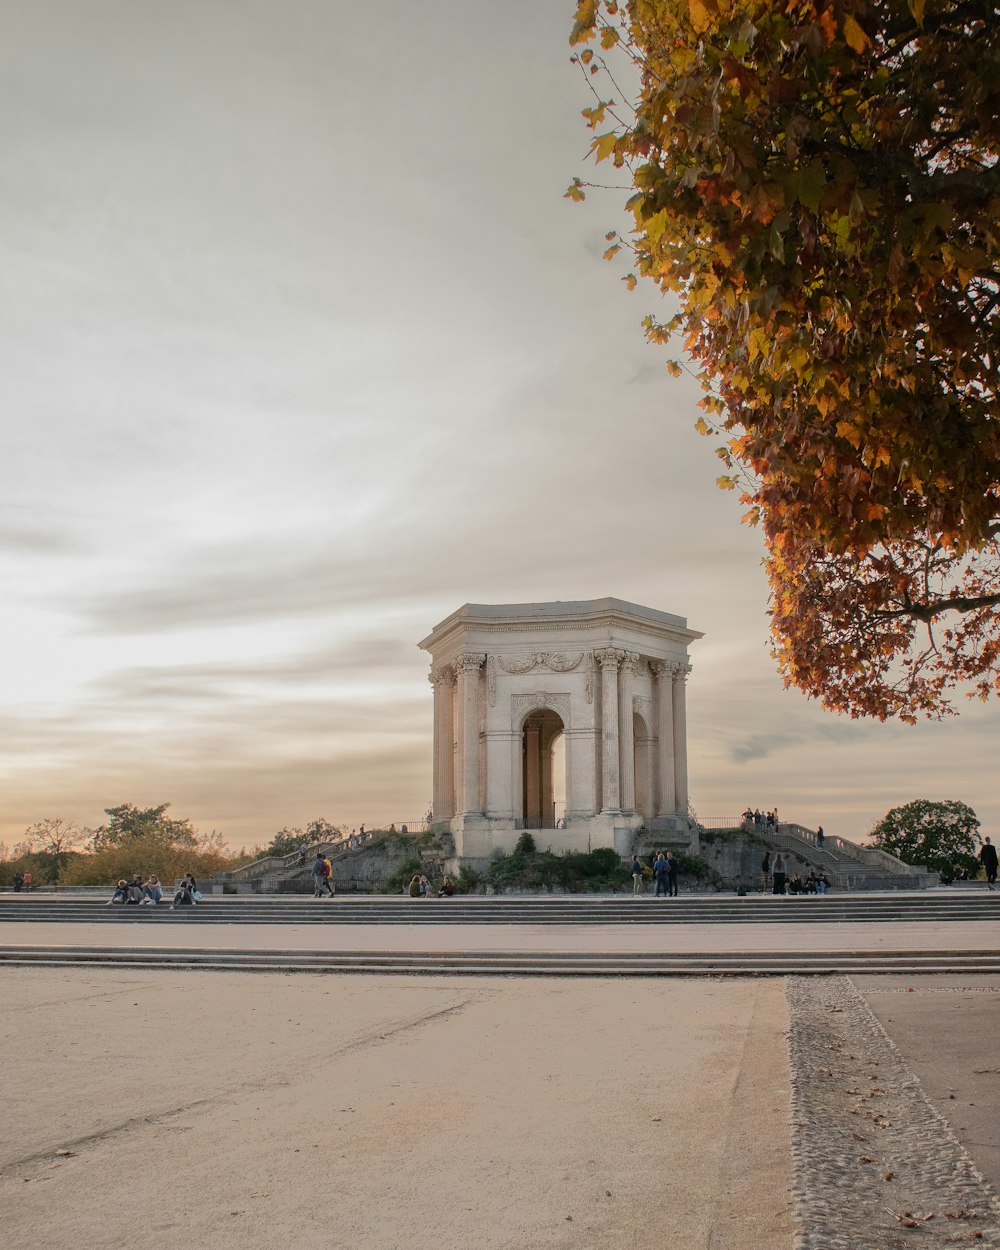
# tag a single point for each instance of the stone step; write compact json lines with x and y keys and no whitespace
{"x":497,"y":964}
{"x":967,"y":904}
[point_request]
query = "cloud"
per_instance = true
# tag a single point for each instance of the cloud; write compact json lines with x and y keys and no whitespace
{"x":31,"y":540}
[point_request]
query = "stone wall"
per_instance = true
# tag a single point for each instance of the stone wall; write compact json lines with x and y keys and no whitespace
{"x":368,"y":869}
{"x":735,"y":857}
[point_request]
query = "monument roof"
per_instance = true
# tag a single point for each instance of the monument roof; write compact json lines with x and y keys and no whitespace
{"x":577,"y":610}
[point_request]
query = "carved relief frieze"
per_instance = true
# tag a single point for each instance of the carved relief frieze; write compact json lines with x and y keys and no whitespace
{"x":491,"y":680}
{"x":554,"y":661}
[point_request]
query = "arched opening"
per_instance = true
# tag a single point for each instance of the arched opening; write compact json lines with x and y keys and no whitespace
{"x":643,"y":767}
{"x":543,"y":769}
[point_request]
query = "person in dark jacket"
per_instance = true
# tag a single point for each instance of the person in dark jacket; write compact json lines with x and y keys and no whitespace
{"x":186,"y":889}
{"x":673,"y":868}
{"x":988,"y":859}
{"x":779,"y":874}
{"x":636,"y":871}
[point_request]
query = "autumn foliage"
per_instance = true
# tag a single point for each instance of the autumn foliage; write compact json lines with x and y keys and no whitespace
{"x":816,"y":183}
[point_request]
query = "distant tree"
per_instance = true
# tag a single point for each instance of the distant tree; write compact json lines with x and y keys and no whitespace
{"x":144,"y":840}
{"x":320,"y":830}
{"x":941,"y":835}
{"x":53,"y":836}
{"x":127,"y":823}
{"x":288,"y":840}
{"x":817,"y":185}
{"x":48,"y":846}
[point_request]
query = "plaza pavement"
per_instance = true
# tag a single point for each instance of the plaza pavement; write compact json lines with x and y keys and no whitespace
{"x":228,"y":1110}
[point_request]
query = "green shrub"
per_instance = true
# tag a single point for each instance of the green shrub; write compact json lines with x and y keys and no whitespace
{"x":467,"y":881}
{"x":401,"y":878}
{"x":574,"y":871}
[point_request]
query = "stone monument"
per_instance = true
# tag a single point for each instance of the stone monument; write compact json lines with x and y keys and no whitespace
{"x":564,"y":718}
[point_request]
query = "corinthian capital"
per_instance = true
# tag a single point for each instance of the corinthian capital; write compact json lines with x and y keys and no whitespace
{"x":442,"y":676}
{"x":633,"y":662}
{"x":470,"y":662}
{"x":681,"y":672}
{"x":661,"y":668}
{"x":609,"y":657}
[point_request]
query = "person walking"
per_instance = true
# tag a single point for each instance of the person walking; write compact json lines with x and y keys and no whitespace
{"x":636,"y":875}
{"x":778,"y":871}
{"x":660,"y":874}
{"x":820,"y":835}
{"x":328,"y":876}
{"x":317,"y":875}
{"x":988,"y":859}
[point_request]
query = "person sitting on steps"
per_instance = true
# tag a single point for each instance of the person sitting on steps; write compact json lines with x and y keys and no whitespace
{"x":120,"y":895}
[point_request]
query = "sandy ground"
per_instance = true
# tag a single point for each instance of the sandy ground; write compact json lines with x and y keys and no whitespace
{"x":225,"y":1110}
{"x":680,"y":938}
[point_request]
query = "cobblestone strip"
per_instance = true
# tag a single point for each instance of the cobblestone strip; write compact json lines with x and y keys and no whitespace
{"x":876,"y":1166}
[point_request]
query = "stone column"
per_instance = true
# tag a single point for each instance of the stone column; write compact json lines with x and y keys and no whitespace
{"x":467,"y":668}
{"x":609,"y":658}
{"x":443,"y":681}
{"x":666,"y":793}
{"x":680,"y":738}
{"x":626,"y":723}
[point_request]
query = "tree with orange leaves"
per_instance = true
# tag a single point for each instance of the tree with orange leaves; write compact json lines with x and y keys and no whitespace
{"x":817,"y":183}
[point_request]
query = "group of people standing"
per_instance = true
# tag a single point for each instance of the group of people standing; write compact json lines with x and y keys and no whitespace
{"x":754,"y":820}
{"x":665,"y":870}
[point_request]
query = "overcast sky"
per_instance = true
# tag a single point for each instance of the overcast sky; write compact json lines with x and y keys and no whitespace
{"x":301,"y":350}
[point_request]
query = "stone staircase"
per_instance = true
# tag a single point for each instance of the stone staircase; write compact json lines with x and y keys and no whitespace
{"x":848,"y":865}
{"x":186,"y":949}
{"x":943,"y":905}
{"x":745,"y":962}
